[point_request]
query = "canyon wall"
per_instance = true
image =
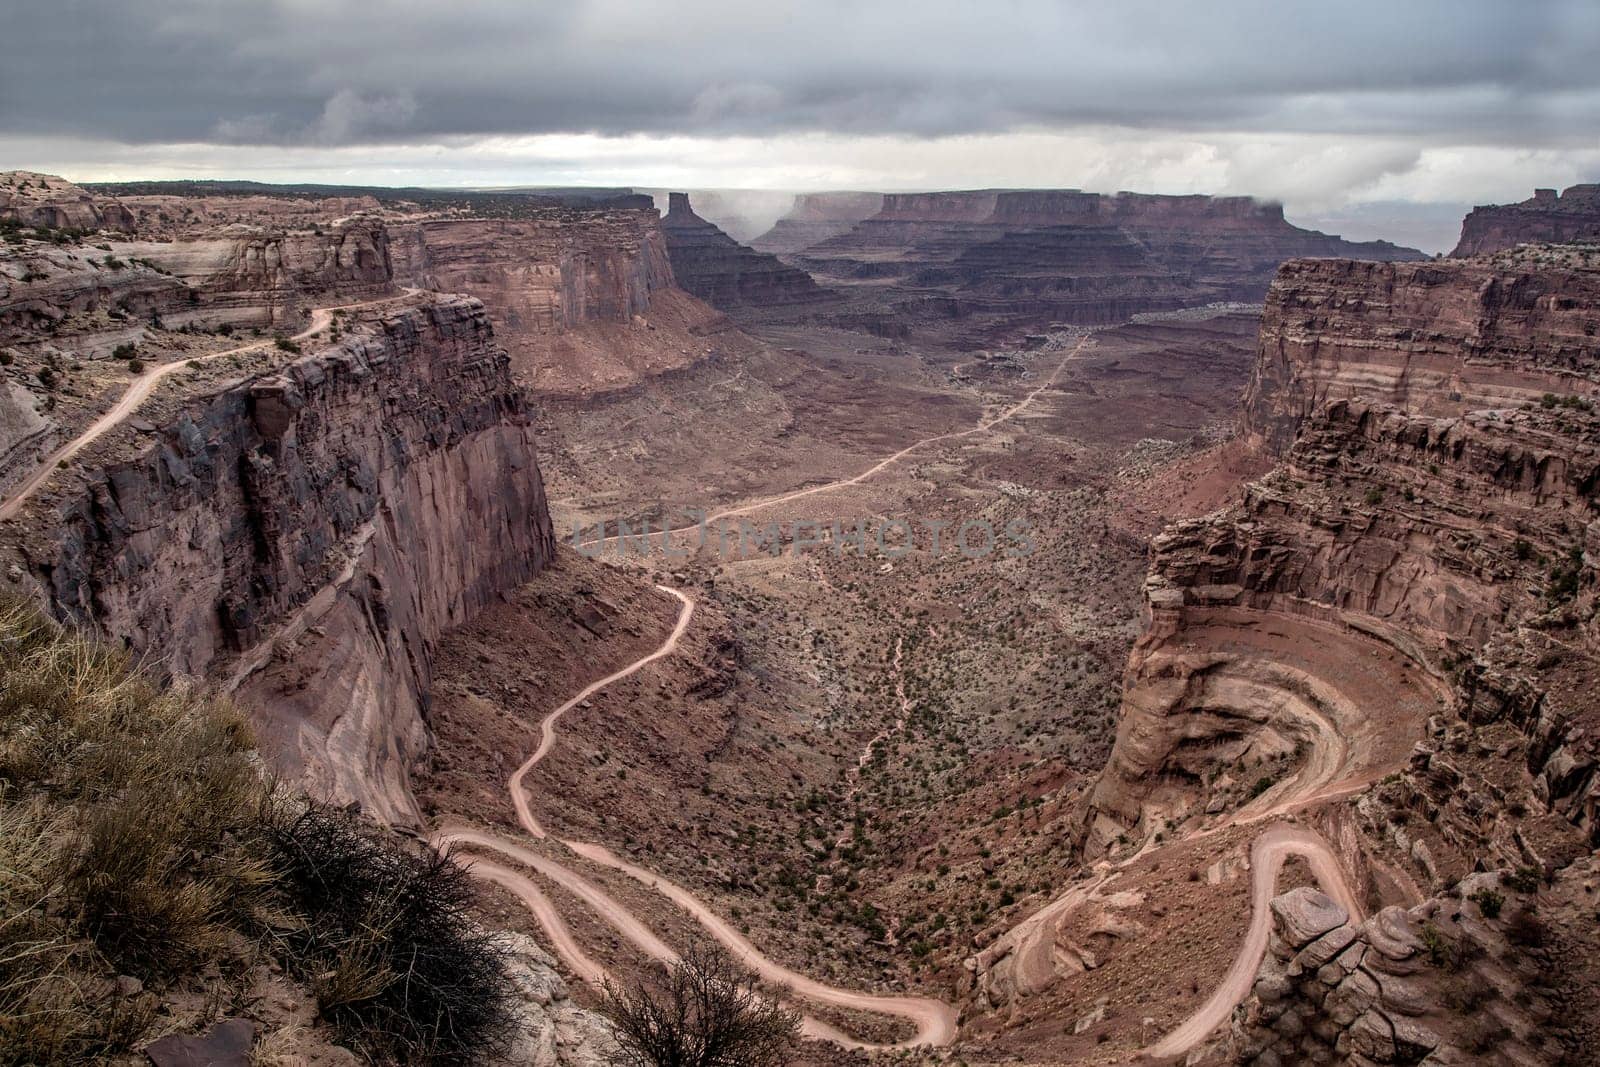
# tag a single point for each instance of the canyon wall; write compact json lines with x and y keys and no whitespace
{"x":1071,"y":256}
{"x":256,"y":276}
{"x":1438,"y":500}
{"x":1390,"y":543}
{"x":44,"y":200}
{"x":814,"y":218}
{"x":1574,"y":215}
{"x":725,"y":273}
{"x":1439,"y":338}
{"x":305,"y":536}
{"x":584,"y":300}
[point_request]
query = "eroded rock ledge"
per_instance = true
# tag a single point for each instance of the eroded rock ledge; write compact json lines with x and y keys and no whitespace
{"x":304,"y":538}
{"x":1433,"y":338}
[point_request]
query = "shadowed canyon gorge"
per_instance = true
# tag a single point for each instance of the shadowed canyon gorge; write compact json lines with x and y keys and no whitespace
{"x":1021,"y":626}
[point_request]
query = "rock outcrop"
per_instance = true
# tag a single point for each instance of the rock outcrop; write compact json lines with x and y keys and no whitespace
{"x":1454,"y":980}
{"x":304,"y":537}
{"x":1434,"y":338}
{"x":53,"y":203}
{"x":1400,"y":522}
{"x":1574,"y":215}
{"x":254,"y":276}
{"x":1071,"y":256}
{"x":583,"y":298}
{"x":1396,"y":541}
{"x":725,"y":273}
{"x":555,"y":270}
{"x":555,"y":1031}
{"x":814,"y":218}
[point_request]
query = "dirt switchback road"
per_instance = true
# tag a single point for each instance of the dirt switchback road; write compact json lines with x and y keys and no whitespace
{"x":1267,"y":855}
{"x":935,"y":1020}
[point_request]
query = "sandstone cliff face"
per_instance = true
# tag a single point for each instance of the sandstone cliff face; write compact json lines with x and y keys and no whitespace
{"x":305,"y":537}
{"x":1078,"y":257}
{"x":555,"y":271}
{"x":246,"y":275}
{"x":725,"y":273}
{"x":1574,"y":215}
{"x":584,"y":300}
{"x":48,"y":201}
{"x":1403,"y":539}
{"x":1437,"y":338}
{"x":814,"y":218}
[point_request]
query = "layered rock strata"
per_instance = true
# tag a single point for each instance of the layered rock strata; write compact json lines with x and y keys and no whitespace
{"x":1413,"y":540}
{"x":584,"y":300}
{"x":304,"y":537}
{"x":1073,"y":256}
{"x":814,"y":218}
{"x":44,"y":200}
{"x":1435,"y":338}
{"x":1548,"y":217}
{"x":725,"y":273}
{"x":254,"y":276}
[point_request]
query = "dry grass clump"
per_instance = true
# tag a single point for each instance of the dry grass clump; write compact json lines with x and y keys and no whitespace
{"x":399,"y":964}
{"x":139,"y":837}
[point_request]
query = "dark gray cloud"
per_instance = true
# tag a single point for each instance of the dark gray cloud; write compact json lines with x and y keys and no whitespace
{"x":336,"y":72}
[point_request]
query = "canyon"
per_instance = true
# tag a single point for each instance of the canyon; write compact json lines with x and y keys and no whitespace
{"x":1291,"y":683}
{"x":725,"y":273}
{"x":996,"y":259}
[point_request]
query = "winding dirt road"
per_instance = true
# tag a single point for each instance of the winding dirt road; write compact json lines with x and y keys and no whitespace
{"x":935,"y":1020}
{"x":547,"y":728}
{"x":139,"y":391}
{"x":982,"y":427}
{"x":1267,"y":856}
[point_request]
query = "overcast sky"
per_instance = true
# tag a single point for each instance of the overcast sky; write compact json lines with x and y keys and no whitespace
{"x":1327,"y":106}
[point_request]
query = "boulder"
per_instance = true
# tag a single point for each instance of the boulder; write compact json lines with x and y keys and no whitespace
{"x":1305,"y":914}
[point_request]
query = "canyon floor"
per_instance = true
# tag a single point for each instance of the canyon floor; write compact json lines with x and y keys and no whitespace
{"x":863,"y":758}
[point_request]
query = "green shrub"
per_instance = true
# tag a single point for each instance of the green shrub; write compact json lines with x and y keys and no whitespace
{"x":137,"y":836}
{"x":286,"y":345}
{"x":1524,"y":880}
{"x":1489,"y":902}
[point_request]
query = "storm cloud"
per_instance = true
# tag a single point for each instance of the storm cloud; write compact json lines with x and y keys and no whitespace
{"x":1319,"y":104}
{"x":339,"y":72}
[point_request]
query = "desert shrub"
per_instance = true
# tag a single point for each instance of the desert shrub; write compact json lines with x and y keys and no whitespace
{"x":1489,"y":902}
{"x":46,"y":1014}
{"x":135,"y":366}
{"x":138,"y":836}
{"x":286,"y":345}
{"x":1524,"y":880}
{"x":126,"y":350}
{"x":703,"y":1011}
{"x":161,"y":789}
{"x":396,"y":961}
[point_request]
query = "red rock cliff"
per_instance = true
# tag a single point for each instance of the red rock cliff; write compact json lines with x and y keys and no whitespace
{"x":304,"y":538}
{"x":1437,"y":338}
{"x":1574,"y":215}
